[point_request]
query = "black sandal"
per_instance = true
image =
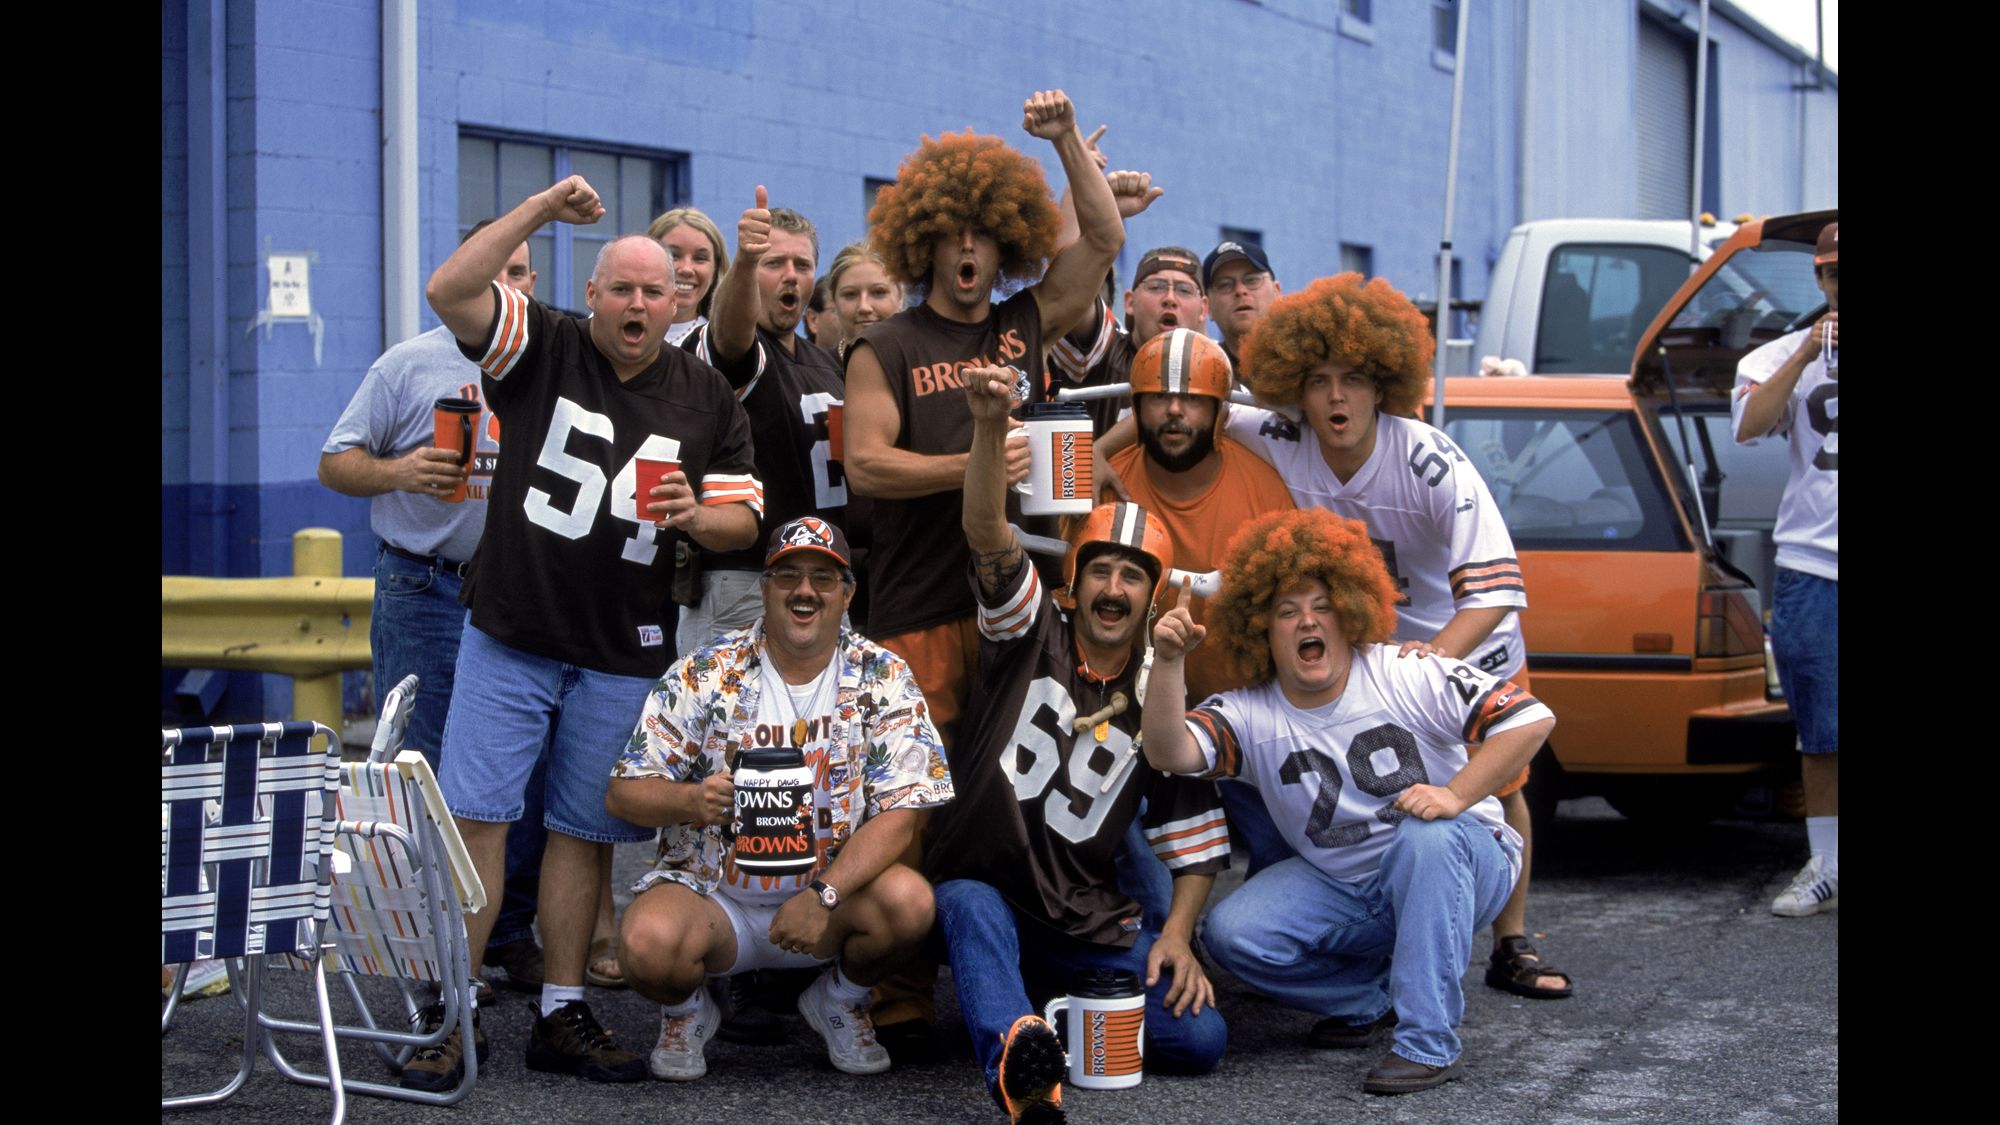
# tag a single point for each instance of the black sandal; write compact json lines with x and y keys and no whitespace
{"x":1516,"y":966}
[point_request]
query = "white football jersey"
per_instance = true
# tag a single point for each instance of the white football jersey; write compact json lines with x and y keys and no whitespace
{"x":1330,"y":776}
{"x":1428,"y":511}
{"x":1808,"y":529}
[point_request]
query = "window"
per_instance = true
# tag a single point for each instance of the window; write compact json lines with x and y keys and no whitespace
{"x":1357,"y":258}
{"x":1568,"y":479}
{"x":1444,"y":34}
{"x":1357,"y":19}
{"x":1598,"y":299}
{"x":496,"y":171}
{"x":1244,"y":235}
{"x":871,"y":189}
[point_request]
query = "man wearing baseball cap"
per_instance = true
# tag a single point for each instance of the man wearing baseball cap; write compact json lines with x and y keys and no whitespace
{"x":1240,"y":285}
{"x":1791,"y":386}
{"x":793,"y":678}
{"x":1164,"y":296}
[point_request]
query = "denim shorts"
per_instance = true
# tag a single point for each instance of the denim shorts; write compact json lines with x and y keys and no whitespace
{"x":505,"y":706}
{"x":1805,"y":638}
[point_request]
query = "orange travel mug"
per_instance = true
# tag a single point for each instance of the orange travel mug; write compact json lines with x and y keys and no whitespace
{"x":454,"y":420}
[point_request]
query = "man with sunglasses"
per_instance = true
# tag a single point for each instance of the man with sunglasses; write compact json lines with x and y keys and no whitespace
{"x":793,"y":678}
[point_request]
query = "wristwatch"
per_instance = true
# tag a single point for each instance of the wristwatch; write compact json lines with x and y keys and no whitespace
{"x":828,"y":897}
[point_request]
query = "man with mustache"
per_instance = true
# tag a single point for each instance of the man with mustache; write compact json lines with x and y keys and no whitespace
{"x":794,"y":678}
{"x":787,"y":385}
{"x":1049,"y":779}
{"x":965,"y":212}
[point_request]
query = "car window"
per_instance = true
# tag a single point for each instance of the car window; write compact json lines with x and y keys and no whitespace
{"x":1740,"y":486}
{"x":1598,"y":299}
{"x":1569,"y":479}
{"x":1756,"y":295}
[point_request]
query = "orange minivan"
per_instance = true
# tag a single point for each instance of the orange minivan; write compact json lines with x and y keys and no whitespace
{"x":1644,"y":565}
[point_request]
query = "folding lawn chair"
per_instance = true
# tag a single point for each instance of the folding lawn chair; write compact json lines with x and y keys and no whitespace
{"x":246,"y":850}
{"x":400,"y":891}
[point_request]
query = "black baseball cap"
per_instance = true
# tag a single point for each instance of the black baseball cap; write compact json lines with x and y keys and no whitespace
{"x":1229,"y":252}
{"x":807,"y":534}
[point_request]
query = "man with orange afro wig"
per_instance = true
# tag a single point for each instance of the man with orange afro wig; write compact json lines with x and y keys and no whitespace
{"x":1353,"y":358}
{"x":1359,"y":754}
{"x":965,"y":212}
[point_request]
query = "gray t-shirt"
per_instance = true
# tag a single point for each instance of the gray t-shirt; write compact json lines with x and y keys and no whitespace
{"x":391,"y":414}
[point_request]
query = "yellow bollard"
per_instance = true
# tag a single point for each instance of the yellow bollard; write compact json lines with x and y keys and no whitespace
{"x":316,"y":554}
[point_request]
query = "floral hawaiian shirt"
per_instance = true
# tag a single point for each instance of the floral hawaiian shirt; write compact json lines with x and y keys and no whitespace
{"x":700,"y":714}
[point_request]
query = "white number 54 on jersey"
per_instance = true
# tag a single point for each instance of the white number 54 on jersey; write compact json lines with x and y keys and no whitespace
{"x":576,"y":522}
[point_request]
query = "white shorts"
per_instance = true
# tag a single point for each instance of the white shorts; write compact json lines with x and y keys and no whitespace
{"x":754,"y":949}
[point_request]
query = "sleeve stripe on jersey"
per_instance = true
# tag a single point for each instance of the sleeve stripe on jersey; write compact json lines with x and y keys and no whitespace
{"x":1489,"y":577}
{"x":510,"y":333}
{"x":1198,"y":840}
{"x":733,"y":488}
{"x":701,"y":353}
{"x":1500,"y":703}
{"x":1210,"y":724}
{"x":1074,"y":362}
{"x":1013,"y":620}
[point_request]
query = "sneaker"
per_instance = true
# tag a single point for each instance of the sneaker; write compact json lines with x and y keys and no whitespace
{"x":1813,"y":889}
{"x":1031,"y":1072}
{"x":522,"y":959}
{"x":743,"y":1019}
{"x":483,"y":993}
{"x":571,"y":1041}
{"x":677,"y":1057}
{"x":437,"y":1069}
{"x":849,"y":1033}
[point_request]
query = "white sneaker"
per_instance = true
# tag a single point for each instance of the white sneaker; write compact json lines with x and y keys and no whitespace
{"x":849,"y":1033}
{"x":677,"y":1057}
{"x":1813,"y":889}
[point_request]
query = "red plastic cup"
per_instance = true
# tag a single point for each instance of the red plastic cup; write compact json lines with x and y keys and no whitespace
{"x":651,"y":475}
{"x":834,"y":438}
{"x":453,"y":421}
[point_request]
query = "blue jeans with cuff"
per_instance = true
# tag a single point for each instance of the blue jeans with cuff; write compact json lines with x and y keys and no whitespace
{"x":999,"y":957}
{"x":1401,"y":937}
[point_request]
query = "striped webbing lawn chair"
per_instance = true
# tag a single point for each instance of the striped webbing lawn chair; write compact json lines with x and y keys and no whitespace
{"x":401,"y":889}
{"x":246,"y":851}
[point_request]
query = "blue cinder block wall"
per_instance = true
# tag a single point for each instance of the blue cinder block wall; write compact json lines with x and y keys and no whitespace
{"x":1284,"y":117}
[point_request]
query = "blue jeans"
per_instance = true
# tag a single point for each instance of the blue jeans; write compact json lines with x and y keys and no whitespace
{"x":1143,"y":877}
{"x":998,"y":957}
{"x":414,"y":627}
{"x":1251,"y":823}
{"x":511,"y":709}
{"x":1805,"y":639}
{"x":1401,"y":937}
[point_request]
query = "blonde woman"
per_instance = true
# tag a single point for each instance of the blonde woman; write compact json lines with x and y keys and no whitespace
{"x":863,"y":291}
{"x":700,"y":259}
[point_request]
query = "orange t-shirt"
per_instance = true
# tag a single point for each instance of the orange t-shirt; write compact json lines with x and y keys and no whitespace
{"x":1200,"y":529}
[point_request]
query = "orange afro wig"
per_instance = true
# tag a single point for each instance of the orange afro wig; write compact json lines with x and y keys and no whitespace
{"x":964,"y":180}
{"x":1280,"y":550}
{"x":1368,"y":326}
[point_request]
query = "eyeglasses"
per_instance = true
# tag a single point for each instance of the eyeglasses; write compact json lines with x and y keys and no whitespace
{"x":1249,"y":283}
{"x":1158,"y":286}
{"x":788,"y":577}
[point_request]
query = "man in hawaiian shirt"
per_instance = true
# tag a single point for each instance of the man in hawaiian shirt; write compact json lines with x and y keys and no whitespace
{"x":794,"y":678}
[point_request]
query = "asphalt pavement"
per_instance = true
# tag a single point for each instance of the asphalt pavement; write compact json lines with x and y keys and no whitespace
{"x":1693,"y":1004}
